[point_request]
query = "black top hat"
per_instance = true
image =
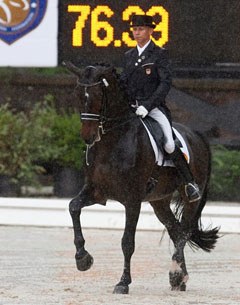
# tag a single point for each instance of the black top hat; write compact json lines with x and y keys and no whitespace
{"x":142,"y":20}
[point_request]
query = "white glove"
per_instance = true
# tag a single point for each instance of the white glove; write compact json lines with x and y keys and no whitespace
{"x":141,"y":111}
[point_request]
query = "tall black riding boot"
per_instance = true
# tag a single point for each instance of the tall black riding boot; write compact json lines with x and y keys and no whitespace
{"x":191,"y":188}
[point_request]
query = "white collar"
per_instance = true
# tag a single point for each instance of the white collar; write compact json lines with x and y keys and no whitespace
{"x":141,"y":49}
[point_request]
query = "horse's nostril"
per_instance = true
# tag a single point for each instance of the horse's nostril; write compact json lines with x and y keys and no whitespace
{"x":88,"y":142}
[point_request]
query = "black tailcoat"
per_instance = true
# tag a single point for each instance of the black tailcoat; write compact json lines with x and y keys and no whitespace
{"x":147,"y":78}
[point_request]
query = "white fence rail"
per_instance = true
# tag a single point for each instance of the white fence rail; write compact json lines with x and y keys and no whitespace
{"x":54,"y":212}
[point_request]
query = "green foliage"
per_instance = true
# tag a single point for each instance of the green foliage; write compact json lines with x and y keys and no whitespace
{"x":66,"y":137}
{"x":42,"y":120}
{"x":62,"y":144}
{"x":225,"y":178}
{"x":40,"y":136}
{"x":17,"y":146}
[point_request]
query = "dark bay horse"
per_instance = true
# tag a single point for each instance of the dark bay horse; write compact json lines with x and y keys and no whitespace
{"x":120,"y":161}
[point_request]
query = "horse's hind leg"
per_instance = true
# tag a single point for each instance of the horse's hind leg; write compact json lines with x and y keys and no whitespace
{"x":128,"y":247}
{"x":178,"y":275}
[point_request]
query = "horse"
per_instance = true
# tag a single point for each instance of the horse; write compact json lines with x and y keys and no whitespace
{"x":119,"y":163}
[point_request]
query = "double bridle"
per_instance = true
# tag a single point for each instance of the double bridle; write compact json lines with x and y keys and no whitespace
{"x":92,"y":116}
{"x":86,"y":116}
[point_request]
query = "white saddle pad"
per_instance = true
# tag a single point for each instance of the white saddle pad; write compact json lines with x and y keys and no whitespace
{"x":158,"y":154}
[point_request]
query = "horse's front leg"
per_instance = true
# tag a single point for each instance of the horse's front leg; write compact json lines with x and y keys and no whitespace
{"x":83,"y":259}
{"x":128,"y":247}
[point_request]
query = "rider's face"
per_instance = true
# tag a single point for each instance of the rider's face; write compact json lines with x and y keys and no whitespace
{"x":142,"y":34}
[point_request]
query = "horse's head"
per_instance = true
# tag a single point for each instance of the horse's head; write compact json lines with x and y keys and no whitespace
{"x":93,"y":83}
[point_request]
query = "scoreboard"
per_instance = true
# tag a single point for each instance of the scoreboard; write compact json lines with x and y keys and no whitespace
{"x":196,"y":32}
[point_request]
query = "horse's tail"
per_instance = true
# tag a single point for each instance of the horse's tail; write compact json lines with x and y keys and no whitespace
{"x":200,"y":238}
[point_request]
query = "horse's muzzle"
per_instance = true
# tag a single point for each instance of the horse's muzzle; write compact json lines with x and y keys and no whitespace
{"x":91,"y":138}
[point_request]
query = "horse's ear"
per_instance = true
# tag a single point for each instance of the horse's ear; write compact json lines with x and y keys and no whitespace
{"x":72,"y":68}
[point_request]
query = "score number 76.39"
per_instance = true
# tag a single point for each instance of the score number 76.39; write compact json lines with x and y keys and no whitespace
{"x":85,"y":12}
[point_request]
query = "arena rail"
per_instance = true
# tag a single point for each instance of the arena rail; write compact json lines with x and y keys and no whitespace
{"x":54,"y":212}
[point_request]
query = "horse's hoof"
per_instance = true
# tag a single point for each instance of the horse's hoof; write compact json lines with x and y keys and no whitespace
{"x":85,"y":262}
{"x":176,"y":281}
{"x":121,"y":289}
{"x":181,"y":287}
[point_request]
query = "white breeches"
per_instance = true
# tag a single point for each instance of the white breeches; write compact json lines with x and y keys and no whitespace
{"x":157,"y":115}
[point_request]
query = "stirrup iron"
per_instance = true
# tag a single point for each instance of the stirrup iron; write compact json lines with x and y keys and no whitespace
{"x":192,"y":192}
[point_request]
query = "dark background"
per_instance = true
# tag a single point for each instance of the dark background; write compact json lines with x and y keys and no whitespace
{"x":202,"y":33}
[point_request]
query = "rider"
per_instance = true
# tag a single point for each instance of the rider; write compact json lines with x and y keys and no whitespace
{"x":147,"y":79}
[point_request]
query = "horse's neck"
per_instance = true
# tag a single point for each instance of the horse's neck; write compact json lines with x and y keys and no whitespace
{"x":122,"y":145}
{"x":118,"y":104}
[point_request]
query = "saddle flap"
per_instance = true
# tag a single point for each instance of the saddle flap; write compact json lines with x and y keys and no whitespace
{"x":156,"y":137}
{"x":156,"y":132}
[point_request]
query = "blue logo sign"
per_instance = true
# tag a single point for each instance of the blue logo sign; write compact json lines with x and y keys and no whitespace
{"x":19,"y":17}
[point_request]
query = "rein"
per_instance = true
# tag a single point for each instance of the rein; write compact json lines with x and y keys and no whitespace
{"x":121,"y":120}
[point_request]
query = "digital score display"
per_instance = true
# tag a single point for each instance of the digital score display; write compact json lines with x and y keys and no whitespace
{"x":196,"y":33}
{"x":107,"y":38}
